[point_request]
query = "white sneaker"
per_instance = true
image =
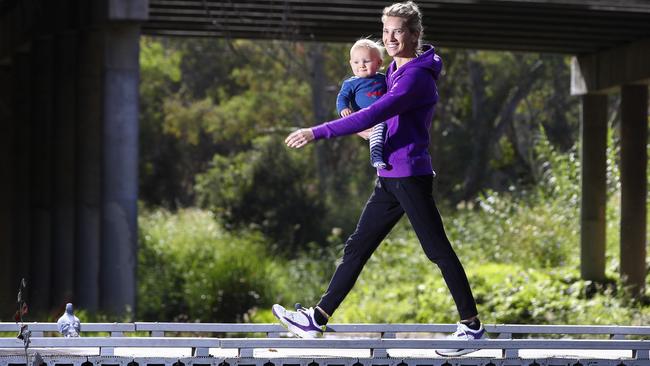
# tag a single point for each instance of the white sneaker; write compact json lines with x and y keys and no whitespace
{"x":300,"y":322}
{"x":463,"y":332}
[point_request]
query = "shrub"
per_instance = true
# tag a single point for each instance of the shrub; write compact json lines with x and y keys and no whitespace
{"x":191,"y":269}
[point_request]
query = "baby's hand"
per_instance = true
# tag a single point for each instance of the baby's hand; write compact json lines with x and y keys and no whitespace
{"x":346,"y":112}
{"x":365,"y":134}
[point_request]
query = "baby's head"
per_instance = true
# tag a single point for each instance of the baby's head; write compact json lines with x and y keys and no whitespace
{"x":366,"y":57}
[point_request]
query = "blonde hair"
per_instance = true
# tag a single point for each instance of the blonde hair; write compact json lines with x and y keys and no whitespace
{"x":411,"y":12}
{"x":369,"y":44}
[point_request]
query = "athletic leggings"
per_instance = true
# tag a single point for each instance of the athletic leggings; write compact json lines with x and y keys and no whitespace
{"x":390,"y":199}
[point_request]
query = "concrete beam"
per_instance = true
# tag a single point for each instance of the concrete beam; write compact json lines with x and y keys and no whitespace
{"x":128,"y":10}
{"x":634,"y":185}
{"x":604,"y":71}
{"x":593,"y":155}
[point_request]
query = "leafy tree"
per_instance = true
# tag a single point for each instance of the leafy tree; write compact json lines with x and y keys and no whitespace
{"x":268,"y":188}
{"x":491,"y":107}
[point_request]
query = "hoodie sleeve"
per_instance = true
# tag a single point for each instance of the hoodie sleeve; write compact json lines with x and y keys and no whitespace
{"x":415,"y":87}
{"x":344,"y":97}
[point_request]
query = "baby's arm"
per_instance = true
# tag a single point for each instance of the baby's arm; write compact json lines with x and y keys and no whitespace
{"x":343,"y":100}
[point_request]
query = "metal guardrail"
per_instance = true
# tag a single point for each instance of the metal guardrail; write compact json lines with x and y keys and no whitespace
{"x":377,"y":338}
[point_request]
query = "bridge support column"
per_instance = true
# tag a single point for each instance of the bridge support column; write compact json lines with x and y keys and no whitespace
{"x":41,"y":178}
{"x":634,"y":140}
{"x":88,"y":176}
{"x":63,"y":236}
{"x":120,"y":168}
{"x":22,"y":206}
{"x":593,"y":154}
{"x":7,"y":187}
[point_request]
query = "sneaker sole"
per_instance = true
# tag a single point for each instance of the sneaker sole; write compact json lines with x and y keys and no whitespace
{"x":456,"y":353}
{"x":292,"y":328}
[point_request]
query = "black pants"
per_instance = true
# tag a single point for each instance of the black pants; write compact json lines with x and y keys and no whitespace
{"x":390,"y":199}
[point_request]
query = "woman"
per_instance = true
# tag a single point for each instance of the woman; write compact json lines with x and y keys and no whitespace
{"x":405,"y":186}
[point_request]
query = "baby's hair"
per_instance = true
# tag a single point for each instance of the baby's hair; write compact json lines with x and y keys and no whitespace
{"x":369,"y":44}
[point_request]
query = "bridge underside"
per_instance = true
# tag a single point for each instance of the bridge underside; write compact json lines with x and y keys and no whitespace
{"x":570,"y":27}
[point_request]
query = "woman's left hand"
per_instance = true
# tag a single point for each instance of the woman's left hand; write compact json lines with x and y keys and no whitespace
{"x":299,"y":138}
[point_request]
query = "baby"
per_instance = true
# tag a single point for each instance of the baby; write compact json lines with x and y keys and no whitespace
{"x":363,"y":89}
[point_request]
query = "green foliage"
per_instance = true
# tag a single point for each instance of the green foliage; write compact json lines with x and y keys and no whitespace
{"x":532,"y":227}
{"x":191,"y":269}
{"x":269,"y":188}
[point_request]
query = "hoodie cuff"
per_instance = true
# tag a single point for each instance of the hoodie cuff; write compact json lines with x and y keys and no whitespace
{"x":320,"y":132}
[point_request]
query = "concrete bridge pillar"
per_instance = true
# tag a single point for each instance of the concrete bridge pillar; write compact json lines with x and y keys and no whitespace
{"x":7,"y":186}
{"x":120,"y":167}
{"x":634,"y":185}
{"x":41,"y":137}
{"x":64,"y":261}
{"x":628,"y":68}
{"x":89,"y":161}
{"x":593,"y":154}
{"x":22,"y":208}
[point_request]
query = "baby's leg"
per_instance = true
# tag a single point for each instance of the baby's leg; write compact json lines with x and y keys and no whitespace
{"x":376,"y":141}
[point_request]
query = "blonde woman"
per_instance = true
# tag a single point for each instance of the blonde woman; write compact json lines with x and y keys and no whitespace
{"x":405,"y":186}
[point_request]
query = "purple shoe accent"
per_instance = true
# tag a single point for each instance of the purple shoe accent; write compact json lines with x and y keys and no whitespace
{"x":479,"y":334}
{"x":475,"y":335}
{"x":307,"y":328}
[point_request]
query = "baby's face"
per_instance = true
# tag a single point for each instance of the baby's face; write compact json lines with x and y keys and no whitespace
{"x":364,"y":62}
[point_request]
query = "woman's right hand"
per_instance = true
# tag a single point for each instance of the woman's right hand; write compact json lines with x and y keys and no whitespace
{"x":299,"y":138}
{"x":346,"y":112}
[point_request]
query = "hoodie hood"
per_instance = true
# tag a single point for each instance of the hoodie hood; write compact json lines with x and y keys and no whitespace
{"x":427,"y":60}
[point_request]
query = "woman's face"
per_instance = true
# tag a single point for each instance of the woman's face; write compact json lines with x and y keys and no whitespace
{"x":398,"y":39}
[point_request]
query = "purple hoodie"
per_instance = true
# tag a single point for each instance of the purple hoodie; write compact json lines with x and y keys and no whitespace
{"x":407,"y":108}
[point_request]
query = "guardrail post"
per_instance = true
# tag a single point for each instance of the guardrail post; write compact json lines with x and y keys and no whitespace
{"x":641,"y":354}
{"x":510,"y":353}
{"x":378,"y":353}
{"x":106,"y":351}
{"x":382,"y":352}
{"x":504,"y":336}
{"x":246,"y":352}
{"x":157,"y":333}
{"x":200,"y":352}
